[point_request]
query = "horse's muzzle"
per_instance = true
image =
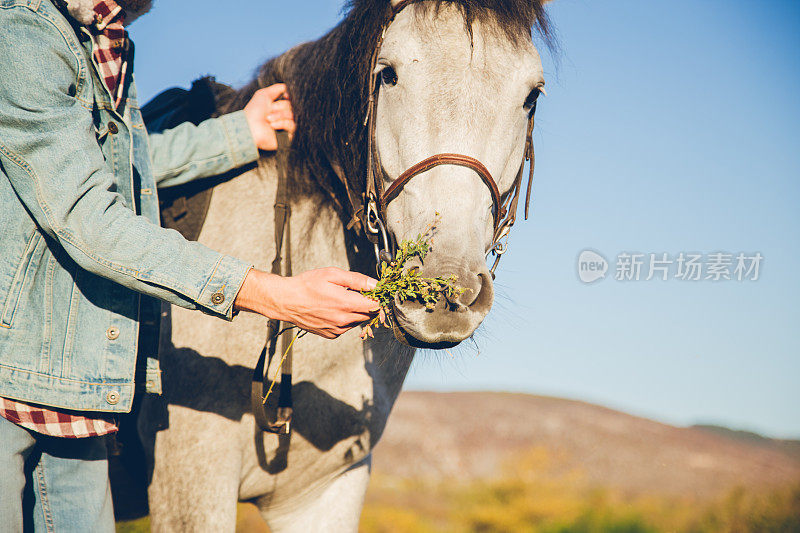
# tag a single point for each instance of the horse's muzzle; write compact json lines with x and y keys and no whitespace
{"x":452,"y":319}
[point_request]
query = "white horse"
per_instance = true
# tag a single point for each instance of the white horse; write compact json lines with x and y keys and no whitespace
{"x":455,"y":76}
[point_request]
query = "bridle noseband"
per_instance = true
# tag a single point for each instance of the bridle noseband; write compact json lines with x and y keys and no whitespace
{"x":372,"y":213}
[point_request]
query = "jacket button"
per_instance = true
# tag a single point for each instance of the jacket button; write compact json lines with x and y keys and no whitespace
{"x":112,"y":127}
{"x":112,"y":397}
{"x":217,"y":298}
{"x":112,"y":333}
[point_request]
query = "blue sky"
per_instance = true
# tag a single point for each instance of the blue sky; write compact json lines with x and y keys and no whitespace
{"x":668,"y":127}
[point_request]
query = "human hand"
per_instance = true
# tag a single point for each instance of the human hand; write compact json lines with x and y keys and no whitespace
{"x":268,"y":110}
{"x":323,"y":301}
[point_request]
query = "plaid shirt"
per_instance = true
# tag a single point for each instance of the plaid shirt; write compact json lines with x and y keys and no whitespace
{"x":56,"y":422}
{"x":111,"y":45}
{"x":110,"y":51}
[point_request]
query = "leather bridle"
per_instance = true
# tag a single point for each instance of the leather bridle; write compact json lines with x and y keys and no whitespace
{"x":372,"y":213}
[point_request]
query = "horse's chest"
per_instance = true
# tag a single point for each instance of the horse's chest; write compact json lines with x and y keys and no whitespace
{"x":328,"y":436}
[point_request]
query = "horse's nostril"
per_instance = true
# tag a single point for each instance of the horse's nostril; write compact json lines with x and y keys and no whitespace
{"x":484,"y":296}
{"x":457,"y":301}
{"x":477,"y":295}
{"x":473,"y":286}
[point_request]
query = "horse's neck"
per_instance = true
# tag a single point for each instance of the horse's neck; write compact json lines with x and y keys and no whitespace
{"x":371,"y":373}
{"x":241,"y":222}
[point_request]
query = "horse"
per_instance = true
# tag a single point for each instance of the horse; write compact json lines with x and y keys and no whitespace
{"x":457,"y":76}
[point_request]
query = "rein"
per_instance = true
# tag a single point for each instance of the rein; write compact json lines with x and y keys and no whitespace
{"x":261,"y":384}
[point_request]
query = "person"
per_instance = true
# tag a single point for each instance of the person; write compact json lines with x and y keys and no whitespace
{"x":83,"y":257}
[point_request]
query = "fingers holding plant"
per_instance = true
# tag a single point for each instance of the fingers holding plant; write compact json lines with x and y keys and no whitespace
{"x":324,"y":301}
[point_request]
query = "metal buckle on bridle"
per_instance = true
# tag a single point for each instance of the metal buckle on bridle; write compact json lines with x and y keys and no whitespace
{"x":376,"y":227}
{"x":499,"y":247}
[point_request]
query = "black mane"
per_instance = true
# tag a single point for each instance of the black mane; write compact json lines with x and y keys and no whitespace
{"x":327,"y":80}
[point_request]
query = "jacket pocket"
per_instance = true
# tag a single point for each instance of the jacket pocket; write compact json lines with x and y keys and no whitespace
{"x":20,"y":276}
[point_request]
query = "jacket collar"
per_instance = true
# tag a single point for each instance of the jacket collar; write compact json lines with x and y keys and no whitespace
{"x":83,"y":12}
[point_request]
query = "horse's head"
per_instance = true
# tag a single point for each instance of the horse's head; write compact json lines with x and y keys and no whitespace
{"x":464,"y":81}
{"x":452,"y":76}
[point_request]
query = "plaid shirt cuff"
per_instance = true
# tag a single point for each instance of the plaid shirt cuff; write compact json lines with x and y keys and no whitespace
{"x":56,"y":422}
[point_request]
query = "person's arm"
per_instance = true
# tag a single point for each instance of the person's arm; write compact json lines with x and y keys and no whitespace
{"x":322,"y":301}
{"x":218,"y":145}
{"x":213,"y":147}
{"x":49,"y":152}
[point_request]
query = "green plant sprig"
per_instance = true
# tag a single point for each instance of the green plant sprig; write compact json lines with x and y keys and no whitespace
{"x":408,"y":284}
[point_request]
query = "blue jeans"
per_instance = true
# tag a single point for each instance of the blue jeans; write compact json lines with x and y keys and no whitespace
{"x":53,"y":484}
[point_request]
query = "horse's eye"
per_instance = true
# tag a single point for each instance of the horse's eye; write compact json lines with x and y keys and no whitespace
{"x":530,"y":101}
{"x":389,"y":76}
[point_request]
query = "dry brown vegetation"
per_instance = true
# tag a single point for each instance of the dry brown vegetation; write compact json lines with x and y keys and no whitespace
{"x":526,"y":498}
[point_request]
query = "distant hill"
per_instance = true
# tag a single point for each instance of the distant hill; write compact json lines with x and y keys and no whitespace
{"x":790,"y":447}
{"x":479,"y":435}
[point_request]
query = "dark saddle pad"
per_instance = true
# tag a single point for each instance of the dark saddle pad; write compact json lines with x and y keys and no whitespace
{"x":184,"y":207}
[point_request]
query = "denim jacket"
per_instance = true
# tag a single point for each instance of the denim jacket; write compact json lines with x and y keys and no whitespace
{"x":80,"y":240}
